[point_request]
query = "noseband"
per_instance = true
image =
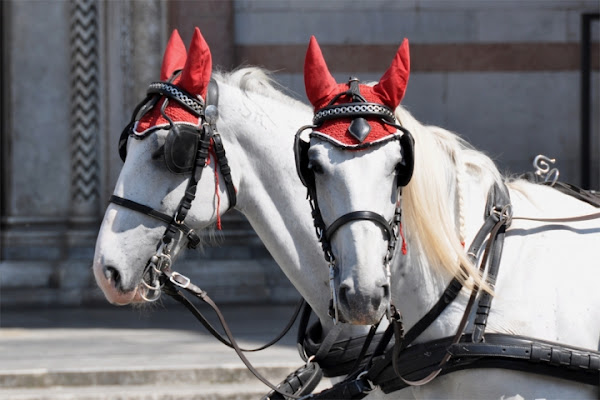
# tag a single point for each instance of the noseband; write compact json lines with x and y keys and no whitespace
{"x":178,"y":159}
{"x":357,"y":110}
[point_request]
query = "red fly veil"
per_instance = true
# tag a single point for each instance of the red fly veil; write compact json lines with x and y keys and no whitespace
{"x":195,"y":75}
{"x":321,"y":88}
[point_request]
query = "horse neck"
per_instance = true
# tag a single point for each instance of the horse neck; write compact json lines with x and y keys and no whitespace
{"x":418,"y":281}
{"x":259,"y":136}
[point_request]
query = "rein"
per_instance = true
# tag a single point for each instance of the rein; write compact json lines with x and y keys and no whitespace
{"x":405,"y":364}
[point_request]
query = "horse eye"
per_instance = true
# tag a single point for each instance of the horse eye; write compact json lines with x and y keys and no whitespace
{"x":159,"y":153}
{"x":315,"y":167}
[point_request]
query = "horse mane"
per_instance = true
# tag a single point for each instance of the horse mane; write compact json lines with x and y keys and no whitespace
{"x":442,"y":162}
{"x":250,"y":79}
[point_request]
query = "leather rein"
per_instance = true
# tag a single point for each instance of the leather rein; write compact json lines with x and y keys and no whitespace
{"x":401,"y":364}
{"x":158,"y":268}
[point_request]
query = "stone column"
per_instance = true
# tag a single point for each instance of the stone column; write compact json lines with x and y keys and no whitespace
{"x":85,"y":110}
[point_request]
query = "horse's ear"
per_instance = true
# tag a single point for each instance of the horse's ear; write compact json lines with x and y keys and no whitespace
{"x":317,"y":79}
{"x":393,"y":83}
{"x":198,"y":66}
{"x":174,"y":58}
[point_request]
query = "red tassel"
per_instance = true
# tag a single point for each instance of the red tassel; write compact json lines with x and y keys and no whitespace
{"x":404,"y":249}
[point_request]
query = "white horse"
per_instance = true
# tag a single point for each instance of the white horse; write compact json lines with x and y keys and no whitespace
{"x":547,"y":285}
{"x":257,"y":123}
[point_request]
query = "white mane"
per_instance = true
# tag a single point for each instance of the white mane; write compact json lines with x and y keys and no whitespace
{"x":256,"y":80}
{"x":441,"y":160}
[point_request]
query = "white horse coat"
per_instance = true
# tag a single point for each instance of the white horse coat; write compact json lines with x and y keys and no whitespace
{"x":548,"y":277}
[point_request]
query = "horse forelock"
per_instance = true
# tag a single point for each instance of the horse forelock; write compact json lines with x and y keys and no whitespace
{"x":441,"y":157}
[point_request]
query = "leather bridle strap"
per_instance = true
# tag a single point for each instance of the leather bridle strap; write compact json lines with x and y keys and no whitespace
{"x":225,"y":169}
{"x":191,"y":234}
{"x":178,"y":296}
{"x":172,"y":281}
{"x":359,"y":216}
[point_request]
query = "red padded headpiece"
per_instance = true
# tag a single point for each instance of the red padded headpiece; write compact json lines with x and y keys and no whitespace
{"x":194,"y":78}
{"x":321,"y":88}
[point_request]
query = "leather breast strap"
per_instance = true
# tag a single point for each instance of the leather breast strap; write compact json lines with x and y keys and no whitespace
{"x":498,"y":351}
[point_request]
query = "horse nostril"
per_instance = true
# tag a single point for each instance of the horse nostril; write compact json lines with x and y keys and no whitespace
{"x":343,"y":294}
{"x":112,"y":274}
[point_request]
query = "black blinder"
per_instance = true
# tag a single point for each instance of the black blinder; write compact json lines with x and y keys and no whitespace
{"x":301,"y":148}
{"x":123,"y":140}
{"x":180,"y":148}
{"x":407,"y":166}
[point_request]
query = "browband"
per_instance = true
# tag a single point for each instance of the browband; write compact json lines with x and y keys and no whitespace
{"x":353,"y":110}
{"x":192,"y":103}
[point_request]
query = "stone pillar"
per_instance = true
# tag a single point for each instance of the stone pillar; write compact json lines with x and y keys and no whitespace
{"x":85,"y":110}
{"x":65,"y":99}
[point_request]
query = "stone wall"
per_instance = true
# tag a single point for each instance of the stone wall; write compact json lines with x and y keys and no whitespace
{"x":67,"y":98}
{"x":505,"y":75}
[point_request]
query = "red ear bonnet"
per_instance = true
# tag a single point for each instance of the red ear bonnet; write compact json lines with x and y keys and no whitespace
{"x":321,"y":88}
{"x":194,"y":78}
{"x":198,"y":67}
{"x":318,"y":82}
{"x":392,"y":85}
{"x":175,"y":56}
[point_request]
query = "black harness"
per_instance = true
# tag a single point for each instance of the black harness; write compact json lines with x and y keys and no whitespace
{"x":396,"y":365}
{"x":186,"y":150}
{"x":374,"y":360}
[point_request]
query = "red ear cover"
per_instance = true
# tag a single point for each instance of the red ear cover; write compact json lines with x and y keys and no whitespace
{"x":392,"y":85}
{"x":318,"y":81}
{"x":198,"y":67}
{"x":321,"y":88}
{"x":174,"y":57}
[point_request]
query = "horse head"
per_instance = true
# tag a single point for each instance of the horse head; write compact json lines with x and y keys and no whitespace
{"x":355,"y":164}
{"x":166,"y":149}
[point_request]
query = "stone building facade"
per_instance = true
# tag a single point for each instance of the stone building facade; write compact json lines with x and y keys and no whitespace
{"x":505,"y":75}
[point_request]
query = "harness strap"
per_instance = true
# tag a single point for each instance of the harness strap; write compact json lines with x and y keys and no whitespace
{"x":192,"y":236}
{"x":377,"y":365}
{"x":498,"y":351}
{"x":353,"y":110}
{"x":357,"y":216}
{"x":225,"y":169}
{"x":500,"y":201}
{"x":498,"y":220}
{"x":190,"y":102}
{"x":300,"y":383}
{"x":172,"y":281}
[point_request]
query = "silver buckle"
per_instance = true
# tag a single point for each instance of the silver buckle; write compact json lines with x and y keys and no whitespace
{"x":186,"y":280}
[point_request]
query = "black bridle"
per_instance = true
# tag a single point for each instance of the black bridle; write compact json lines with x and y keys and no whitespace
{"x":186,"y":150}
{"x":158,"y":276}
{"x":357,"y":109}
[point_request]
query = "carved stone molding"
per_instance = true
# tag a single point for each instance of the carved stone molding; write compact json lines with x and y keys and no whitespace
{"x":85,"y":111}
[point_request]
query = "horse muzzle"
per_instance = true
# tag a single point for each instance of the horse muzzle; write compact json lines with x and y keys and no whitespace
{"x":363,"y":305}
